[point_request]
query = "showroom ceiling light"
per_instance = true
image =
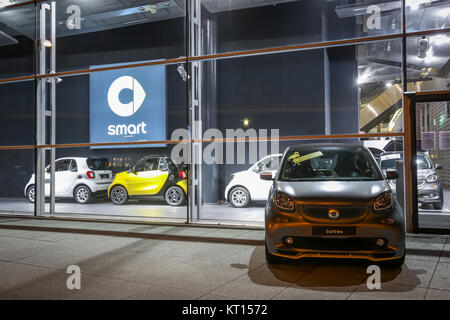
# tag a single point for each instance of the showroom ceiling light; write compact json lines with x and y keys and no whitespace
{"x":47,"y":43}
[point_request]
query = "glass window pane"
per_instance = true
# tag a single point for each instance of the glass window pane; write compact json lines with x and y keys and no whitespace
{"x":433,"y":158}
{"x":17,"y":181}
{"x":17,"y":41}
{"x":128,"y":105}
{"x":18,"y":122}
{"x":133,"y":194}
{"x":243,"y":25}
{"x":234,"y":191}
{"x":428,"y":62}
{"x":98,"y":33}
{"x":427,"y":15}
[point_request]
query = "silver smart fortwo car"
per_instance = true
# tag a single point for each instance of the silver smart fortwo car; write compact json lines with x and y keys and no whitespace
{"x":332,"y":201}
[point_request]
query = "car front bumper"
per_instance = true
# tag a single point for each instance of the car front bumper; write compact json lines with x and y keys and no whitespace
{"x":363,"y":245}
{"x":430,"y":194}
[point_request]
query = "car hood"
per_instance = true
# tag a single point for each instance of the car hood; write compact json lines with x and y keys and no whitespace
{"x":339,"y":191}
{"x":424,"y":173}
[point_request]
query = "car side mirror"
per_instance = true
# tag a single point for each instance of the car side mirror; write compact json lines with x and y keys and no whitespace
{"x":266,"y":176}
{"x":392,"y":175}
{"x":437,"y":166}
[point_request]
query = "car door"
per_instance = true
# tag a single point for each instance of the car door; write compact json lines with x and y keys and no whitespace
{"x":65,"y":177}
{"x":260,"y":188}
{"x":147,"y":178}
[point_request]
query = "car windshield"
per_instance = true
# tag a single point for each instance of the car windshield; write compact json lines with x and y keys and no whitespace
{"x":329,"y":163}
{"x":388,"y":162}
{"x":97,"y":163}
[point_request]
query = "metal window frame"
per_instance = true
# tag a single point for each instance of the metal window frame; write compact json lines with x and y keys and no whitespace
{"x":410,"y":152}
{"x":194,"y":57}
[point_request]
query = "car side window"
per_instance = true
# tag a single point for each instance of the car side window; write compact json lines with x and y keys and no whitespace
{"x":73,"y":166}
{"x":163,"y":166}
{"x":62,"y":165}
{"x":270,"y":164}
{"x":273,"y":164}
{"x":147,"y":165}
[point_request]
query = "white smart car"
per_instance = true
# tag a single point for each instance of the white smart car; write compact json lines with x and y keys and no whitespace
{"x":246,"y":186}
{"x":77,"y":178}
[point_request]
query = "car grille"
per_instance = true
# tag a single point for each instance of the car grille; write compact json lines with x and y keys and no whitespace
{"x":320,"y":212}
{"x":334,"y":244}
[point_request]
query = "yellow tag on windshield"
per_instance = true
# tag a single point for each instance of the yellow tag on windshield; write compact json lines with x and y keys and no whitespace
{"x":298,"y":159}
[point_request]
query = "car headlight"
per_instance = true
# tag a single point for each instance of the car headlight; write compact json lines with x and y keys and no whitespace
{"x":432,"y":178}
{"x":283,"y":202}
{"x":383,"y":202}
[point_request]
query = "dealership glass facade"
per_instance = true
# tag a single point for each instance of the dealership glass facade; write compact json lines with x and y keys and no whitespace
{"x":126,"y":80}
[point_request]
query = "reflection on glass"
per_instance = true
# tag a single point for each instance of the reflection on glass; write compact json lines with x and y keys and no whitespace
{"x":241,"y":25}
{"x":427,"y":15}
{"x":329,"y":163}
{"x":17,"y":35}
{"x":427,"y":59}
{"x":433,"y":175}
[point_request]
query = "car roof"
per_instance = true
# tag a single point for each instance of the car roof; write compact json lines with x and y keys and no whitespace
{"x":80,"y":158}
{"x":350,"y":146}
{"x":397,"y":152}
{"x":72,"y":158}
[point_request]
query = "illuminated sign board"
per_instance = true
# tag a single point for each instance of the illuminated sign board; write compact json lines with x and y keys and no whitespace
{"x":128,"y":105}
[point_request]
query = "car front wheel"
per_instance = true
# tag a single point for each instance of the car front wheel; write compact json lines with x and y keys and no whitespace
{"x":239,"y":197}
{"x":119,"y":195}
{"x":82,"y":194}
{"x":174,"y":196}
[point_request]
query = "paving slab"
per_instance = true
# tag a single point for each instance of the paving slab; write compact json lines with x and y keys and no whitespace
{"x":389,"y":291}
{"x":441,"y":277}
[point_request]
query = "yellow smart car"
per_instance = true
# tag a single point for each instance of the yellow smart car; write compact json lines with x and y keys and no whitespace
{"x":152,"y":177}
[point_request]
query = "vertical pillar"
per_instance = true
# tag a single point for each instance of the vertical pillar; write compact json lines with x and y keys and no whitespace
{"x":326,"y":71}
{"x":195,"y":49}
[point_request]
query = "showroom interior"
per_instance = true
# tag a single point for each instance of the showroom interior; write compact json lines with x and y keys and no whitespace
{"x":291,"y":71}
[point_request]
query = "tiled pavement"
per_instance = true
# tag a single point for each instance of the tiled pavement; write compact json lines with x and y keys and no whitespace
{"x":135,"y":261}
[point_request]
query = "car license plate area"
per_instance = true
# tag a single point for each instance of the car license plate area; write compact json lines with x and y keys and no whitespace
{"x":104,"y":176}
{"x":334,"y":231}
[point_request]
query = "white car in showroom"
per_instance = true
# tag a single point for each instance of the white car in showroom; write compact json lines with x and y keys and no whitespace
{"x":246,"y":186}
{"x":77,"y":178}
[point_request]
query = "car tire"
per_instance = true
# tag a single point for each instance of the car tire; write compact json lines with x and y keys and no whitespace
{"x":174,"y":196}
{"x":82,"y":194}
{"x":438,"y":206}
{"x":31,"y":194}
{"x":270,"y":258}
{"x":119,"y":195}
{"x":239,"y":197}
